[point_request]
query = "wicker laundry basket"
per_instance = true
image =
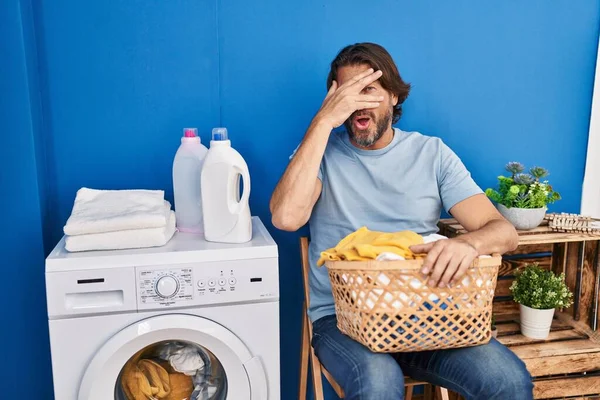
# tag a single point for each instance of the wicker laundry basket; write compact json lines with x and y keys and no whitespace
{"x":387,"y":306}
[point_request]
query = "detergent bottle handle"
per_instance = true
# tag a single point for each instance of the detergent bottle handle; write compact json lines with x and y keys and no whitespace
{"x":236,"y":207}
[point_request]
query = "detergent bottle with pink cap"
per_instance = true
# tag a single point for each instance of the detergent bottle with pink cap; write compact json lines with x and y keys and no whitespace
{"x":187,"y":168}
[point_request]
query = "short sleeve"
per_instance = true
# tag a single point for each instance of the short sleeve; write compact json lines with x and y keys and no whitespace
{"x":454,"y":180}
{"x":320,"y":174}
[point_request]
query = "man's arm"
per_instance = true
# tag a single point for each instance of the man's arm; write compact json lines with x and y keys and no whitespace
{"x":299,"y":188}
{"x":488,"y":232}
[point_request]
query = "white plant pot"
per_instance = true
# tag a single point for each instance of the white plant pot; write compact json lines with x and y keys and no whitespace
{"x":535,"y":324}
{"x":523,"y":218}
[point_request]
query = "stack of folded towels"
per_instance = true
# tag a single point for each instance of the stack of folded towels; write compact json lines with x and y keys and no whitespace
{"x":119,"y":219}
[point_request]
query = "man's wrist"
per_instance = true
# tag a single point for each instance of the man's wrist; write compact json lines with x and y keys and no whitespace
{"x":322,"y":123}
{"x":474,"y":244}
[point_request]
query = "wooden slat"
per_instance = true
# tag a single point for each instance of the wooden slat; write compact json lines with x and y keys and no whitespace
{"x":559,"y":257}
{"x":555,"y":238}
{"x":595,"y":313}
{"x":531,"y":249}
{"x":503,"y":286}
{"x":509,"y":328}
{"x":588,"y":282}
{"x":547,"y":389}
{"x":551,"y":349}
{"x":513,"y":327}
{"x":569,"y":364}
{"x":507,"y":317}
{"x":519,"y":340}
{"x":509,"y":266}
{"x":581,"y":326}
{"x":578,"y":281}
{"x":571,"y":271}
{"x":540,"y":235}
{"x":505,"y":307}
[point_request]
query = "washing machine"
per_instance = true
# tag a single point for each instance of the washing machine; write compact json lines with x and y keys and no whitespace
{"x":191,"y":319}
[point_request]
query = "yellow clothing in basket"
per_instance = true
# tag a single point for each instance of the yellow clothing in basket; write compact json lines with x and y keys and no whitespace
{"x":364,"y":244}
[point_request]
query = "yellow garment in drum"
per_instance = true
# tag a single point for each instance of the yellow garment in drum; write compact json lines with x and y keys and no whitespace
{"x":182,"y":387}
{"x":145,"y":380}
{"x":364,"y":244}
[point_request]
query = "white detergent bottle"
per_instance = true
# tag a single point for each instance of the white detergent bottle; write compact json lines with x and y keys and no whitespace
{"x":226,"y":213}
{"x":187,"y":167}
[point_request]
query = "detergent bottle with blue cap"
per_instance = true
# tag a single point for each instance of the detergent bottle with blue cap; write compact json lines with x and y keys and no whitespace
{"x":226,"y":211}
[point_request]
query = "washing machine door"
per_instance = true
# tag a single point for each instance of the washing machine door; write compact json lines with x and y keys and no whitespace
{"x":172,"y":357}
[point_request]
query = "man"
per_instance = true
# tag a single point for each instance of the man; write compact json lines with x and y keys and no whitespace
{"x":371,"y":174}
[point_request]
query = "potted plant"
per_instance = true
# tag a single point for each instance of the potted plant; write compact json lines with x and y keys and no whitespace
{"x":539,"y":292}
{"x":522,"y":198}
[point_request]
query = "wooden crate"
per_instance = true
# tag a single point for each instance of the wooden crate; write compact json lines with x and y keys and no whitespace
{"x":567,"y":363}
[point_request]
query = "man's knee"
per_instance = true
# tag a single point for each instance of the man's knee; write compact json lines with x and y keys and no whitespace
{"x":511,"y":381}
{"x":376,"y":377}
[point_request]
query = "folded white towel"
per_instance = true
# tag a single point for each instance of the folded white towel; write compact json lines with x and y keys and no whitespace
{"x":98,"y":211}
{"x":127,"y":239}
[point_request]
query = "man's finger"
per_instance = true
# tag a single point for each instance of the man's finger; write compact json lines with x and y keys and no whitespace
{"x":432,"y":254}
{"x":366,"y":104}
{"x":332,"y":89}
{"x":453,"y":266}
{"x":360,"y":84}
{"x":462,"y":269}
{"x":367,"y":97}
{"x":441,"y":264}
{"x":421,"y":248}
{"x":358,"y":77}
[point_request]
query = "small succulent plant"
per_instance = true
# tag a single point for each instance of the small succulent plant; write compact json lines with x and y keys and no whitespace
{"x":523,"y":190}
{"x":515,"y":167}
{"x":523,"y":179}
{"x":539,"y":173}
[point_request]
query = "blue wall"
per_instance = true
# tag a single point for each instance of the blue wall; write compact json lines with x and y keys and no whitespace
{"x":24,"y":334}
{"x":96,"y":94}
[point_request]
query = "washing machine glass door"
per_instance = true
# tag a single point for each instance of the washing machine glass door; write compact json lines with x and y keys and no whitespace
{"x":174,"y":357}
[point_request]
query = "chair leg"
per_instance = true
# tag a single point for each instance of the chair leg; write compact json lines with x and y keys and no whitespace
{"x":317,"y":379}
{"x":304,"y":354}
{"x":428,"y":394}
{"x":441,"y":393}
{"x":409,"y":393}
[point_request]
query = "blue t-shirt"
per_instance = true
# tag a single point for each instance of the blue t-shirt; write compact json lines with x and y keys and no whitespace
{"x":400,"y":187}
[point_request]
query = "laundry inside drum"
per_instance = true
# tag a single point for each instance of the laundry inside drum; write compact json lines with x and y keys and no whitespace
{"x":172,"y":370}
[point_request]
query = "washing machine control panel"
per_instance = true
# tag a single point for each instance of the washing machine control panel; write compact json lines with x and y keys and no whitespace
{"x":199,"y":284}
{"x":165,"y":286}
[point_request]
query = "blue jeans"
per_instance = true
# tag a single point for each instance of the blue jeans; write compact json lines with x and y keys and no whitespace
{"x":486,"y":372}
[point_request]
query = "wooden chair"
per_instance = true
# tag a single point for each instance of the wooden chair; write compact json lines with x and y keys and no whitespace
{"x":317,"y":369}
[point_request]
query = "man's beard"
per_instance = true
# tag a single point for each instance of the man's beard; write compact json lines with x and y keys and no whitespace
{"x":367,"y":138}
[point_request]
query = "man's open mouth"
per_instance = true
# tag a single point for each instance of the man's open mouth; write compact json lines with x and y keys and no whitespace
{"x":361,"y":122}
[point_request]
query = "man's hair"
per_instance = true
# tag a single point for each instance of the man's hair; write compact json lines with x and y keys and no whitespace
{"x":377,"y":58}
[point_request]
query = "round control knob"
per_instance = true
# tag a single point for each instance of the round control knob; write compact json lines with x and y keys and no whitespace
{"x":167,"y":286}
